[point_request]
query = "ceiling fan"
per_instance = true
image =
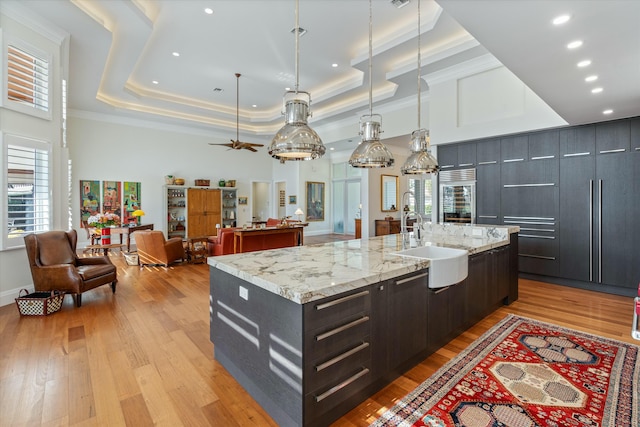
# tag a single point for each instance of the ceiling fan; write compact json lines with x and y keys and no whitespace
{"x":237,"y":144}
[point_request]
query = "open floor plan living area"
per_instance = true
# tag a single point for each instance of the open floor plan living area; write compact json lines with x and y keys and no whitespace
{"x":313,"y":213}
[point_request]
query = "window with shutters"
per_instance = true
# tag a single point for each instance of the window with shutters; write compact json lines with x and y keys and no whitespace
{"x":27,"y":195}
{"x":421,"y":202}
{"x":26,"y":85}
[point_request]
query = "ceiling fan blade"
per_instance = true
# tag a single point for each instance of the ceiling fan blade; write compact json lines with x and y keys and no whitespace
{"x":226,"y":144}
{"x":251,"y":149}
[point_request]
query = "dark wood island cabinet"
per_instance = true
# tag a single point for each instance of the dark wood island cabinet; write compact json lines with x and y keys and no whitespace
{"x":308,"y":363}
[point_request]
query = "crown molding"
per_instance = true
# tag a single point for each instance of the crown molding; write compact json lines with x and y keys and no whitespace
{"x":16,"y":11}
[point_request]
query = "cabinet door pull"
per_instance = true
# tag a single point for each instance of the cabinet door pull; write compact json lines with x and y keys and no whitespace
{"x":535,"y":218}
{"x":545,"y":184}
{"x":492,"y":162}
{"x":344,"y":327}
{"x":536,"y":237}
{"x":543,"y":157}
{"x":488,"y":216}
{"x":341,"y":300}
{"x":637,"y":148}
{"x":342,"y":385}
{"x":529,"y":222}
{"x":617,"y":150}
{"x":512,"y":160}
{"x":599,"y":231}
{"x":408,"y":279}
{"x":341,"y":357}
{"x":537,"y":256}
{"x":546,"y":230}
{"x":440,"y":290}
{"x":584,"y":153}
{"x":591,"y":230}
{"x":446,"y":166}
{"x":465,"y":164}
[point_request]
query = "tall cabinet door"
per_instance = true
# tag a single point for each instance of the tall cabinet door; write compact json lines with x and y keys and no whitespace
{"x":204,"y":211}
{"x":577,"y":209}
{"x":614,"y":223}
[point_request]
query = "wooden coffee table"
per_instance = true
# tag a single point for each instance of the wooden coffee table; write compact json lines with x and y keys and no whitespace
{"x":104,"y":248}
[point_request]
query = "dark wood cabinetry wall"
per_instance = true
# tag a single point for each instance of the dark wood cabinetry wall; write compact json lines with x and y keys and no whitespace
{"x":574,"y":192}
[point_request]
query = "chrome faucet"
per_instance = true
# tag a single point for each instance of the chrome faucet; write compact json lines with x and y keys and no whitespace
{"x":417,"y":232}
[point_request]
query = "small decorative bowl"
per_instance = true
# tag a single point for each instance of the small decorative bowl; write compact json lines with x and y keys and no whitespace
{"x":178,"y":181}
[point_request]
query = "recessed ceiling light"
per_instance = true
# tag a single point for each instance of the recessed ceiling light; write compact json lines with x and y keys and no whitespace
{"x":287,"y":88}
{"x":208,"y":10}
{"x":254,"y":106}
{"x":176,"y":54}
{"x":559,"y":20}
{"x":591,"y":78}
{"x":574,"y":44}
{"x":332,"y":148}
{"x":596,"y":90}
{"x":607,"y":111}
{"x":155,"y":82}
{"x":584,"y":63}
{"x":334,"y":65}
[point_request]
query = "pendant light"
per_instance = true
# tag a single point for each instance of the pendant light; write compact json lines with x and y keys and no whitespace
{"x":370,"y":152}
{"x":296,"y":140}
{"x":421,"y":161}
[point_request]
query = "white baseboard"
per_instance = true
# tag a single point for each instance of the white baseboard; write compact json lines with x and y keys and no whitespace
{"x":9,"y":296}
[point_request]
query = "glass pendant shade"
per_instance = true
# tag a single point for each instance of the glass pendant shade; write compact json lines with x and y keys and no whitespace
{"x":296,"y":140}
{"x":421,"y":161}
{"x":371,"y":153}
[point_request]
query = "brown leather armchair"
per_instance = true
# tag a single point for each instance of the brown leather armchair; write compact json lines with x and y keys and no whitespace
{"x":55,"y":265}
{"x":154,"y":249}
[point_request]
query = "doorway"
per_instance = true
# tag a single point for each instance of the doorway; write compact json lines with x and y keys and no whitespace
{"x":260,"y":200}
{"x":346,"y":205}
{"x":281,"y":195}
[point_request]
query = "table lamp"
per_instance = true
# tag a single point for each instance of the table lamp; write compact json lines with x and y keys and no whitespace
{"x":137,"y":214}
{"x":299,"y":213}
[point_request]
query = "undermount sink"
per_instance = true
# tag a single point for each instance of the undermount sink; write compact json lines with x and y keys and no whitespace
{"x":447,"y":266}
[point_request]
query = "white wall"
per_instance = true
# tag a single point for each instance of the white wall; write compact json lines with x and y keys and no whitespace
{"x":14,"y":266}
{"x":482,"y":99}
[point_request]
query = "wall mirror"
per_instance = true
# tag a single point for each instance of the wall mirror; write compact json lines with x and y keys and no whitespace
{"x":389,"y":193}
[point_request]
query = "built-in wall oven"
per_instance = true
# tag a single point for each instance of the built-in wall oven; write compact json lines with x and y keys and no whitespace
{"x":457,"y":194}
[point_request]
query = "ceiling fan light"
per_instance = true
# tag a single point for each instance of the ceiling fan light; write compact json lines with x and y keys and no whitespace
{"x":371,"y":153}
{"x":296,"y":140}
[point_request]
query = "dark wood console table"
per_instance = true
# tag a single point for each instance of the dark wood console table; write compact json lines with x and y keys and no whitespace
{"x":240,"y":234}
{"x":128,"y":231}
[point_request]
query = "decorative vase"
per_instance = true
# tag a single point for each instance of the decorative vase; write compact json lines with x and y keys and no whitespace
{"x":106,"y":236}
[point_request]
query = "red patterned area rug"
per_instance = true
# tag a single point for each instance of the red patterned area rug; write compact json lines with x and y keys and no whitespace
{"x":526,"y":373}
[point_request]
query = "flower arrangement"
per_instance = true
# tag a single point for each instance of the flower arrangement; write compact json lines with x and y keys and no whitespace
{"x":103,"y":220}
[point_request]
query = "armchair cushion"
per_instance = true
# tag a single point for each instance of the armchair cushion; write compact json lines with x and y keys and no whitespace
{"x":55,"y":266}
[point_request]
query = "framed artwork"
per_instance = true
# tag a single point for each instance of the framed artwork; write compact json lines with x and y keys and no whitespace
{"x":131,"y":202}
{"x":89,"y":199}
{"x":315,"y":201}
{"x":111,"y":197}
{"x":293,"y":200}
{"x":242,"y":200}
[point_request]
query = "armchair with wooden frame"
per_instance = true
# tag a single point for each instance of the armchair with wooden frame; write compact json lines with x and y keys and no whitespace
{"x":55,"y":265}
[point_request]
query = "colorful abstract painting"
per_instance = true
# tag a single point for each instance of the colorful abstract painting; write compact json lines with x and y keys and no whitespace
{"x":89,"y":199}
{"x":111,"y":197}
{"x":131,"y":202}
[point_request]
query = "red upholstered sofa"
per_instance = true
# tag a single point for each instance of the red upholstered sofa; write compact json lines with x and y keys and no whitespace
{"x":222,"y":244}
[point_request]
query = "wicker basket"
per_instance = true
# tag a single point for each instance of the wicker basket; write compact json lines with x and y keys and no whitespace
{"x":202,"y":182}
{"x":39,"y":303}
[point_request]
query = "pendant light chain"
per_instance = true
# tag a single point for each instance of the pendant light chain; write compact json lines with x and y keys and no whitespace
{"x":419,"y":65}
{"x":297,"y":44}
{"x":237,"y":107}
{"x":370,"y":61}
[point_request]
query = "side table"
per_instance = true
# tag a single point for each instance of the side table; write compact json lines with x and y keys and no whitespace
{"x":197,"y":249}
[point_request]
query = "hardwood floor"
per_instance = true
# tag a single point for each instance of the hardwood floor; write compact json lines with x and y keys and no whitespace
{"x":143,"y":356}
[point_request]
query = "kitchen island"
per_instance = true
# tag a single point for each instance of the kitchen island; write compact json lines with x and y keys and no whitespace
{"x":312,"y":331}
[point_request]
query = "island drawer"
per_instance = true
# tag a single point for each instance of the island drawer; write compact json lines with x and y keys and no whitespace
{"x":329,"y":312}
{"x":332,"y":339}
{"x":324,"y":370}
{"x":330,"y":396}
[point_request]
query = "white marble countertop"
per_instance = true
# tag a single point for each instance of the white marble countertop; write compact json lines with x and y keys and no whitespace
{"x":307,"y":273}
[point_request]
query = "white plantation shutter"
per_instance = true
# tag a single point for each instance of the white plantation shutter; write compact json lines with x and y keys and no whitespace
{"x":27,"y":81}
{"x":28,"y":197}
